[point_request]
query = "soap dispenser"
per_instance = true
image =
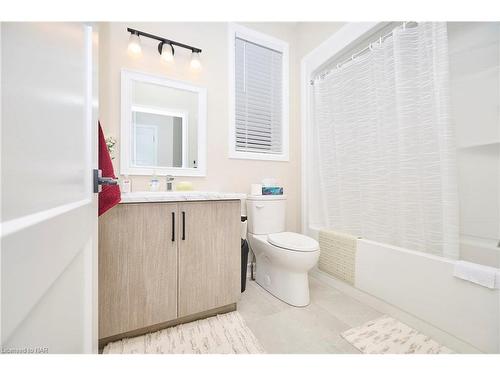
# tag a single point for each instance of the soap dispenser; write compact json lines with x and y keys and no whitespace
{"x":154,"y":184}
{"x":125,"y":184}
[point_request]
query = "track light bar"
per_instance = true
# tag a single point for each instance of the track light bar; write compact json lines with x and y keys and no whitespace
{"x":163,"y":41}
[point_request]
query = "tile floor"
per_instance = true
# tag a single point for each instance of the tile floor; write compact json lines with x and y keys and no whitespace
{"x":283,"y":329}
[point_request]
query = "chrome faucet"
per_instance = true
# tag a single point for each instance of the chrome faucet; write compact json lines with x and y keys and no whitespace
{"x":169,"y":178}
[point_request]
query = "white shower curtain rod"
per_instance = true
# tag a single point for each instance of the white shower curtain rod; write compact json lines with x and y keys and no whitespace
{"x":367,"y":48}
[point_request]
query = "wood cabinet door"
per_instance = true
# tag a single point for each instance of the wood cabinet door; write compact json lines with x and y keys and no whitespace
{"x":137,"y":267}
{"x":209,"y":255}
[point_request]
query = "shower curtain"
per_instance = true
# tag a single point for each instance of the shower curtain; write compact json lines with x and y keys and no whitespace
{"x":385,"y":148}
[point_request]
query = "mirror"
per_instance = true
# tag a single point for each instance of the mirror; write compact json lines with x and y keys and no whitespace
{"x":158,"y":139}
{"x":163,"y":126}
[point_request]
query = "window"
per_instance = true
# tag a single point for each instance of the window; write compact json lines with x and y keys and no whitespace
{"x":258,"y":127}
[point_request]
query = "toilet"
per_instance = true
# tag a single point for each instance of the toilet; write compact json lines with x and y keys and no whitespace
{"x":283,"y":258}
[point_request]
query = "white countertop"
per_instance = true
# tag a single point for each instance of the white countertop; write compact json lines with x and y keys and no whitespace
{"x":176,"y":196}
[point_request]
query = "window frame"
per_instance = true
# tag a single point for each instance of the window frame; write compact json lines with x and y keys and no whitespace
{"x":234,"y":31}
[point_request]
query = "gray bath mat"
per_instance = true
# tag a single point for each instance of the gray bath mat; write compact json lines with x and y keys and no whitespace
{"x":221,"y":334}
{"x":387,"y":335}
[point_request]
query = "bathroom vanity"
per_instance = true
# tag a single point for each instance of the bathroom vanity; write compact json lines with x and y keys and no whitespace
{"x":167,"y":258}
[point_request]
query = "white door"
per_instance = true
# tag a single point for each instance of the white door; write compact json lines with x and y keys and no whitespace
{"x":48,"y":208}
{"x":146,"y":145}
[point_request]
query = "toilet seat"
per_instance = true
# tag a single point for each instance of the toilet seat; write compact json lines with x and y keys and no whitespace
{"x":293,"y":241}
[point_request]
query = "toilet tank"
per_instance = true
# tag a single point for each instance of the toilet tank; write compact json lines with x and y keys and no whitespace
{"x":266,"y":213}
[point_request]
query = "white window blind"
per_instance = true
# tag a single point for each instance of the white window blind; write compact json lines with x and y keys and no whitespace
{"x":258,"y":98}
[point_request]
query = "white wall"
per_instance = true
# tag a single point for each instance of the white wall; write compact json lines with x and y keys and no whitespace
{"x":223,"y":174}
{"x":475,"y":89}
{"x":312,"y":34}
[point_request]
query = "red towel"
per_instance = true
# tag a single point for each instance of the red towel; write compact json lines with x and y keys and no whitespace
{"x":109,"y":196}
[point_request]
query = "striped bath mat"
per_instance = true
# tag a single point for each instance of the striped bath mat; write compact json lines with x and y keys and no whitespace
{"x":387,"y":335}
{"x":221,"y":334}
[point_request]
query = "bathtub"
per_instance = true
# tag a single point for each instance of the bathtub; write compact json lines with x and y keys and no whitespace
{"x":423,"y":285}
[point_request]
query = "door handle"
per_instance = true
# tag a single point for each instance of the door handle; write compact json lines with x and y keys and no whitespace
{"x":183,"y":225}
{"x":173,"y":226}
{"x":99,"y":180}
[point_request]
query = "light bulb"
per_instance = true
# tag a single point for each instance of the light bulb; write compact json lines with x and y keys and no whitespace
{"x":195,"y":61}
{"x":134,"y":44}
{"x":167,"y":52}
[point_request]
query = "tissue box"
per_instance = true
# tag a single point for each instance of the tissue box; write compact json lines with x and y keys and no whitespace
{"x":272,"y":190}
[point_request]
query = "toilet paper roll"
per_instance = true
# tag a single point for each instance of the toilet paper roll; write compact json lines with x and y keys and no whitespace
{"x":256,"y":189}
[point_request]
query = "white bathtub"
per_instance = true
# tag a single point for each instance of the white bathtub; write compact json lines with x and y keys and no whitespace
{"x":423,"y":285}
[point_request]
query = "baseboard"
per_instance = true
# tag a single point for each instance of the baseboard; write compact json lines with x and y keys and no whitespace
{"x":433,"y":332}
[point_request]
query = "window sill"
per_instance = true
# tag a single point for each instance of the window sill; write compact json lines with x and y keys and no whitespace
{"x":258,"y":156}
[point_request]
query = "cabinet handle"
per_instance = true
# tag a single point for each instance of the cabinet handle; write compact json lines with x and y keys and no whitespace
{"x":173,"y":226}
{"x":183,"y":225}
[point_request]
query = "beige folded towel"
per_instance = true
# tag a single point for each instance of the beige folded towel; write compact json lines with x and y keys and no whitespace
{"x":338,"y":254}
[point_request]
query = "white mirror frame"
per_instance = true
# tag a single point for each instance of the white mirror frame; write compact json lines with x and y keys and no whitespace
{"x":126,"y":167}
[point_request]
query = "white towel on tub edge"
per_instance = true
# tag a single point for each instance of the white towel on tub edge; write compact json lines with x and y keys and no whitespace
{"x":477,"y":273}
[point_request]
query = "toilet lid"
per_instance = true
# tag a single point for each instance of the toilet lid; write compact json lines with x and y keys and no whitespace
{"x":293,"y":241}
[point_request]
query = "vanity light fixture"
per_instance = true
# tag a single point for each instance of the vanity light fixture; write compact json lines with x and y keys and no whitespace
{"x":165,"y":48}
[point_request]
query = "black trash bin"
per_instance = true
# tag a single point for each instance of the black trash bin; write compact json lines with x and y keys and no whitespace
{"x":244,"y":259}
{"x":244,"y":262}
